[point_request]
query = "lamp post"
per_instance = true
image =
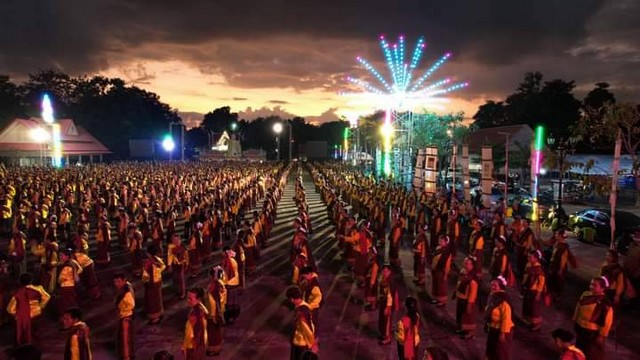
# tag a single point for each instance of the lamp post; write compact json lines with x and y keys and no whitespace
{"x":454,"y":153}
{"x":277,"y":128}
{"x":181,"y":126}
{"x":168,"y":145}
{"x":561,"y":147}
{"x":506,"y":167}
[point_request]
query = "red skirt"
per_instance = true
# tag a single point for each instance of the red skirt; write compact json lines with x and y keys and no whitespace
{"x":67,"y":299}
{"x":90,"y":282}
{"x":153,"y":300}
{"x":439,"y":286}
{"x":177,"y":272}
{"x":103,"y":256}
{"x":466,"y":321}
{"x":215,"y":335}
{"x":124,"y":339}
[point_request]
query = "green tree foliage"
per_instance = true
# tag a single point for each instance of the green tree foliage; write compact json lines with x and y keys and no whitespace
{"x":219,"y":120}
{"x":593,"y":120}
{"x":491,"y":114}
{"x":10,"y":101}
{"x":535,"y":102}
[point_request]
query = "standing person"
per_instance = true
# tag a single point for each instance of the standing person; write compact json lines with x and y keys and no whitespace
{"x":395,"y":237}
{"x":525,"y":243}
{"x":78,"y":346}
{"x":563,"y":341}
{"x":371,"y":280}
{"x":26,"y":306}
{"x":498,"y":322}
{"x":365,"y":242}
{"x":593,"y":319}
{"x":152,"y":279}
{"x":195,"y":243}
{"x":466,"y":299}
{"x":453,"y":229}
{"x":216,"y":301}
{"x":232,"y":283}
{"x":561,"y":257}
{"x":388,"y":302}
{"x":612,"y":270}
{"x":48,"y":253}
{"x":195,"y":330}
{"x":303,"y":334}
{"x":125,"y":306}
{"x":87,"y":274}
{"x":500,"y":264}
{"x":136,"y":241}
{"x":420,"y":255}
{"x":103,"y":239}
{"x":69,"y":274}
{"x":312,"y":293}
{"x":407,"y":333}
{"x":178,"y":260}
{"x":476,"y":245}
{"x":440,"y":267}
{"x":533,"y":289}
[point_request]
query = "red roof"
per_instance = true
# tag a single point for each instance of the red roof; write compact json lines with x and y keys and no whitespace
{"x":75,"y":139}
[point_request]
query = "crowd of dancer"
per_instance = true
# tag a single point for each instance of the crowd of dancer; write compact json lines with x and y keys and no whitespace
{"x":133,"y":208}
{"x":371,"y":216}
{"x":58,"y":226}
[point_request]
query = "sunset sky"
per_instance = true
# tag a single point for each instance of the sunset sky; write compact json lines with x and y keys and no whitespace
{"x":291,"y":58}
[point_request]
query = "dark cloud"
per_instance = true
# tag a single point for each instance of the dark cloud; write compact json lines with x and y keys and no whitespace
{"x":278,"y":102}
{"x":312,"y":44}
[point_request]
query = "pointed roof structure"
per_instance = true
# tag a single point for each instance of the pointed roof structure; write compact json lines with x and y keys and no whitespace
{"x":17,"y":137}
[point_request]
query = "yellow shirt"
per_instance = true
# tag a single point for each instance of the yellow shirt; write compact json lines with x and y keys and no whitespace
{"x":583,"y":315}
{"x":35,"y":306}
{"x":157,"y":269}
{"x":303,"y":334}
{"x":501,"y":317}
{"x":69,"y":273}
{"x":200,"y":314}
{"x":127,"y":304}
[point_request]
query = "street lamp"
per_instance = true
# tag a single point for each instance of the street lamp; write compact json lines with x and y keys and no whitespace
{"x":40,"y":136}
{"x":506,"y":167}
{"x":277,"y":128}
{"x":561,"y":147}
{"x":168,"y":145}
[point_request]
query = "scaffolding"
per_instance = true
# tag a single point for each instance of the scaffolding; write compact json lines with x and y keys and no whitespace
{"x":404,"y":150}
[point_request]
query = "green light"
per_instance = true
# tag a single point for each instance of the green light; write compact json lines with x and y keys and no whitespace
{"x":335,"y":146}
{"x":346,"y":133}
{"x":539,"y":138}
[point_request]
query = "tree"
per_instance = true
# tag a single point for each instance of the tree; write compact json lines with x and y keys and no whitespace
{"x":625,"y":118}
{"x":219,"y":119}
{"x":491,"y":114}
{"x":10,"y":101}
{"x":599,"y":96}
{"x":594,"y":109}
{"x":552,"y":105}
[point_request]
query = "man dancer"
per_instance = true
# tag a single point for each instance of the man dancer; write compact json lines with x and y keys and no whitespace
{"x":152,"y":278}
{"x":178,"y":260}
{"x":26,"y":306}
{"x":125,"y":306}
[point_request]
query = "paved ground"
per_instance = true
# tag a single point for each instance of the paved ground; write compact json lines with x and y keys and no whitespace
{"x":346,"y":331}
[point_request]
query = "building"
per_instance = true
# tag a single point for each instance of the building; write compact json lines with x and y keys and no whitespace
{"x":28,"y":142}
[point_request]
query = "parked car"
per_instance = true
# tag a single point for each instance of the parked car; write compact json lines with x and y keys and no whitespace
{"x":525,"y":206}
{"x":593,"y":225}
